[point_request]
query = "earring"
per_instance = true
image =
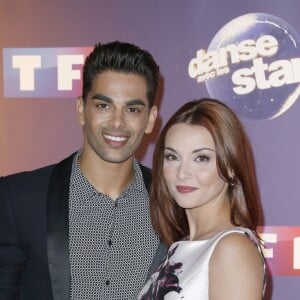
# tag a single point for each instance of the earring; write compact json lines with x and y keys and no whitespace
{"x":232,"y":182}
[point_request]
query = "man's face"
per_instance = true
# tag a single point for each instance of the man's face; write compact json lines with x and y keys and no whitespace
{"x":115,"y":116}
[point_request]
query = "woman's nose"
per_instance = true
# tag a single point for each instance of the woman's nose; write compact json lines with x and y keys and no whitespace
{"x":184,"y":171}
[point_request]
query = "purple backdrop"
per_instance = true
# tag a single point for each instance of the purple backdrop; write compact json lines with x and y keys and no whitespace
{"x":35,"y":131}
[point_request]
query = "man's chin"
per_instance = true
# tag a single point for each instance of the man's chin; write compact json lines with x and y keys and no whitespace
{"x":118,"y":160}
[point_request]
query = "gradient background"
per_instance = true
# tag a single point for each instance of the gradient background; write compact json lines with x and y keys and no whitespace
{"x":38,"y":131}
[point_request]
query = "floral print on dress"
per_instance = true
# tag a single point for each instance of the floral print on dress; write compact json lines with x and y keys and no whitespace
{"x":164,"y":280}
{"x":185,"y":272}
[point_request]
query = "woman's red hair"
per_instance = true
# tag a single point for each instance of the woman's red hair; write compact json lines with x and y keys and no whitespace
{"x":233,"y":151}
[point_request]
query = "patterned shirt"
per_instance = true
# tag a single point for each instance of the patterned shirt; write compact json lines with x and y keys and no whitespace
{"x":112,"y":243}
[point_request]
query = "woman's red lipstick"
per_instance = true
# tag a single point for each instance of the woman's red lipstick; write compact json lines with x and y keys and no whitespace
{"x":185,"y":189}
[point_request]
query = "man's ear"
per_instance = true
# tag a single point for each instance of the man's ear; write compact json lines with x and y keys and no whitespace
{"x":80,"y":110}
{"x":152,"y":119}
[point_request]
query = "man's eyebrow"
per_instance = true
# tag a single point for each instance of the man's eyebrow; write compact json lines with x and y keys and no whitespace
{"x":131,"y":102}
{"x":102,"y":98}
{"x":135,"y":102}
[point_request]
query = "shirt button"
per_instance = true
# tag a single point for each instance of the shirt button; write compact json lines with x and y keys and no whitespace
{"x":116,"y":204}
{"x":109,"y":242}
{"x":107,"y":282}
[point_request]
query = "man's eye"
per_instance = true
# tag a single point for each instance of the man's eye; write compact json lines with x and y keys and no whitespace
{"x":102,"y":105}
{"x":133,"y":109}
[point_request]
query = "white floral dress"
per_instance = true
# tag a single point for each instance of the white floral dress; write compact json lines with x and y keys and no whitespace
{"x":184,"y":273}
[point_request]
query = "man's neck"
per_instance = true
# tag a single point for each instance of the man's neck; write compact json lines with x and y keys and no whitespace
{"x":108,"y":178}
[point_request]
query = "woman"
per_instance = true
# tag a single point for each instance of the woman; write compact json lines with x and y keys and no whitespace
{"x":206,"y":206}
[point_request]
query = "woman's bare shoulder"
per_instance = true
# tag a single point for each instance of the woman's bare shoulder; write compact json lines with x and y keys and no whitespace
{"x":236,"y":269}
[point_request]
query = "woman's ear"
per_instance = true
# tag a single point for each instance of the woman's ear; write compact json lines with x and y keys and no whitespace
{"x":232,"y":178}
{"x":230,"y":172}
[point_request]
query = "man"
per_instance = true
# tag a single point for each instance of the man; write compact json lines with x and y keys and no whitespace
{"x":81,"y":229}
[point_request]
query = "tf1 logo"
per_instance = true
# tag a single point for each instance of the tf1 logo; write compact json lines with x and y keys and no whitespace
{"x":43,"y":72}
{"x":282,"y":249}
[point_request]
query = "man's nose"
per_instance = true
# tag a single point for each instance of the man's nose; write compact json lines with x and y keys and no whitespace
{"x":117,"y":118}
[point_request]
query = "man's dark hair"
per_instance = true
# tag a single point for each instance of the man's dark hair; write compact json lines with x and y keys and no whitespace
{"x":121,"y":57}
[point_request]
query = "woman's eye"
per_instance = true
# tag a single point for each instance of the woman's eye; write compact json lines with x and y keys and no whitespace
{"x":170,"y":157}
{"x":202,"y":158}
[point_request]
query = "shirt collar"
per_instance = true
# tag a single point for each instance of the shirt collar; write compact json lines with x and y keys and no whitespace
{"x":137,"y":183}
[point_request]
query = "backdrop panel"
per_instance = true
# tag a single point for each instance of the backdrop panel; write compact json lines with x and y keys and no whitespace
{"x":38,"y":122}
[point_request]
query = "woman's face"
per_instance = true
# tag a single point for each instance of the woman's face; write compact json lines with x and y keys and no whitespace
{"x":190,"y":168}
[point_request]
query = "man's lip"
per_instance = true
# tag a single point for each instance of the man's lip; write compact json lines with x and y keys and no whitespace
{"x":185,"y":188}
{"x":115,"y":140}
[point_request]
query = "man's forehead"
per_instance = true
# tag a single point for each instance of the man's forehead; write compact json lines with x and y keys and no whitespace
{"x":120,"y":88}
